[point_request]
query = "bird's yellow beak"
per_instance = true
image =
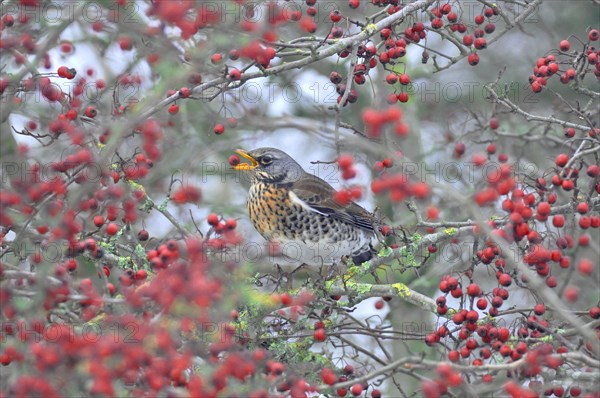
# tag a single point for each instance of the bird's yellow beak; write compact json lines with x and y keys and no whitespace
{"x":245,"y":166}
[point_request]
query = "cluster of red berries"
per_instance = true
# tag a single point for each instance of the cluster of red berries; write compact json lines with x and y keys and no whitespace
{"x":329,"y":377}
{"x":186,"y":194}
{"x":567,"y":177}
{"x":499,"y":183}
{"x":257,"y":52}
{"x":177,"y":14}
{"x":548,"y":66}
{"x":138,"y":168}
{"x":347,"y":195}
{"x":375,"y":121}
{"x":225,"y":229}
{"x":386,"y":163}
{"x":399,"y":186}
{"x":346,"y":163}
{"x":164,"y":255}
{"x":476,"y":39}
{"x":151,"y":132}
{"x":67,"y":73}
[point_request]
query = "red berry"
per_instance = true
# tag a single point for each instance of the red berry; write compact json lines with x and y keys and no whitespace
{"x":112,"y":229}
{"x":8,"y":20}
{"x":345,"y":161}
{"x":98,"y":221}
{"x":335,"y":16}
{"x":490,"y":28}
{"x":473,"y":59}
{"x":453,"y":356}
{"x":308,"y":24}
{"x":480,"y":43}
{"x":472,"y":316}
{"x":335,"y":77}
{"x":219,"y":129}
{"x":494,"y":123}
{"x":319,"y":335}
{"x":173,"y":109}
{"x":505,"y":280}
{"x":482,"y":303}
{"x":445,"y":9}
{"x":593,"y":35}
{"x":328,"y":376}
{"x":570,"y":132}
{"x":404,"y":79}
{"x":234,"y":54}
{"x":143,"y":235}
{"x":582,"y":208}
{"x":234,"y":74}
{"x":467,"y":40}
{"x":234,"y":160}
{"x":473,"y":290}
{"x":184,"y":92}
{"x":232,"y":122}
{"x":561,"y":160}
{"x":571,"y":293}
{"x":558,"y":221}
{"x":564,"y":45}
{"x":356,"y":390}
{"x":212,"y":219}
{"x":459,"y":149}
{"x":586,"y":267}
{"x":125,"y":43}
{"x":539,"y":309}
{"x":437,"y":23}
{"x":66,"y":47}
{"x":231,"y":224}
{"x":568,"y":185}
{"x":141,"y":274}
{"x":543,"y":208}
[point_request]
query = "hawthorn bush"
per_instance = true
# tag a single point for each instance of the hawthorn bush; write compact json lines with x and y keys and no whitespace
{"x":127,"y":267}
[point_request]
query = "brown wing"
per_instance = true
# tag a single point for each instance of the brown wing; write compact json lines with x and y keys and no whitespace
{"x":318,"y":195}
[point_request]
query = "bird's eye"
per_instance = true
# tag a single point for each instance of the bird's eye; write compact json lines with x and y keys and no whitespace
{"x":266,"y":160}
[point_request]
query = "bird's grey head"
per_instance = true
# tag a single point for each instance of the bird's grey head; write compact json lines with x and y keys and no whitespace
{"x":270,"y":165}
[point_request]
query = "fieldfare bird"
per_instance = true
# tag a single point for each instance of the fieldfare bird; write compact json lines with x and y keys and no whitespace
{"x":297,"y":211}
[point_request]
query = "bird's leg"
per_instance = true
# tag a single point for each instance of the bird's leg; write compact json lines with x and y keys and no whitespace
{"x":289,"y":276}
{"x":331,"y":271}
{"x":280,"y":276}
{"x":321,"y":271}
{"x":327,"y":271}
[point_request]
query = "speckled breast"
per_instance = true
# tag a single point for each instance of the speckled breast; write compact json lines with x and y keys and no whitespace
{"x":303,"y":235}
